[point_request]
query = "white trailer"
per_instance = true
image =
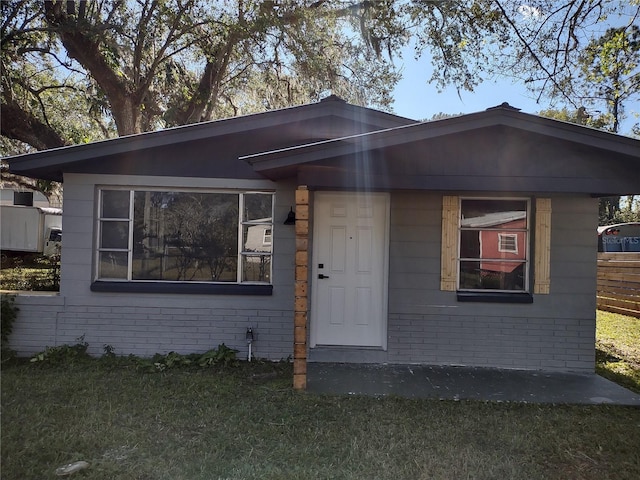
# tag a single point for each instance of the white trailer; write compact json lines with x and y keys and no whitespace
{"x":30,"y":229}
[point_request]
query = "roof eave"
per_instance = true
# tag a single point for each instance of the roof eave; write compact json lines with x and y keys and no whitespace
{"x":194,"y":132}
{"x":427,"y":130}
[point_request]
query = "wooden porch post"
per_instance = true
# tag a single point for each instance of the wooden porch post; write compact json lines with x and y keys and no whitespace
{"x":301,"y":289}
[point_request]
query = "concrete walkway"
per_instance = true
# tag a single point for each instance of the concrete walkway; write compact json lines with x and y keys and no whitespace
{"x":466,"y":383}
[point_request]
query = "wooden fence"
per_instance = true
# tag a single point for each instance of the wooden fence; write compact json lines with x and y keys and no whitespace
{"x":619,"y":283}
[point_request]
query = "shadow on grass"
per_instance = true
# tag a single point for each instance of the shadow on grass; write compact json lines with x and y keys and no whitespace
{"x":246,"y":422}
{"x":618,"y":370}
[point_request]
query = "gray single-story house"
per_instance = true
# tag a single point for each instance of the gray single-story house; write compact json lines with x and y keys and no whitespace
{"x":463,"y":241}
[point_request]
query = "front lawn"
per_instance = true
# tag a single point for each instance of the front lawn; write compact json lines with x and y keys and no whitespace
{"x":618,"y":349}
{"x":246,"y":422}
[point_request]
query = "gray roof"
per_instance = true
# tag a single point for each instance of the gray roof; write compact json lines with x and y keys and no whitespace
{"x":329,"y":118}
{"x":493,"y":219}
{"x":332,"y":144}
{"x":497,"y":150}
{"x":502,"y":115}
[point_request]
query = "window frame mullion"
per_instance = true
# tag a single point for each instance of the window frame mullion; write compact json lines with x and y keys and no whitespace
{"x":130,"y":245}
{"x":240,"y":232}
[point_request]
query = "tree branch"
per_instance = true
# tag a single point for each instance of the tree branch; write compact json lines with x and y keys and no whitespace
{"x":535,"y":57}
{"x":21,"y":125}
{"x":84,"y":48}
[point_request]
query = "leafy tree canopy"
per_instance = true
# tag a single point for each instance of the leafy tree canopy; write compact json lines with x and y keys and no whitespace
{"x":609,"y":74}
{"x":133,"y":66}
{"x":77,"y":71}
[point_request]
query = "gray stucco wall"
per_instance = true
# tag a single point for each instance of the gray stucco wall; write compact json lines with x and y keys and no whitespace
{"x":145,"y":324}
{"x":35,"y":327}
{"x":426,"y":325}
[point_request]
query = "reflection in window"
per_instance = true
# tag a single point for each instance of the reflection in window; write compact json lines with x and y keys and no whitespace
{"x":494,"y":245}
{"x":508,"y":242}
{"x":184,"y":236}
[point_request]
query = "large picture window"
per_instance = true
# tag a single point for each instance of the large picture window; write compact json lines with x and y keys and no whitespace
{"x":184,"y":236}
{"x":494,"y":245}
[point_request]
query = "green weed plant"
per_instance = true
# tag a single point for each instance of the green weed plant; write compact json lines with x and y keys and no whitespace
{"x":221,"y":356}
{"x":63,"y":354}
{"x":8,"y":315}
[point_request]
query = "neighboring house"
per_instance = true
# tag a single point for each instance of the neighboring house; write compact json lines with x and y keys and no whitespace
{"x":463,"y":241}
{"x":493,"y":244}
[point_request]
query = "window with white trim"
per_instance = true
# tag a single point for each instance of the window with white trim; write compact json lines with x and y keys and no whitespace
{"x":184,"y":236}
{"x":493,"y":245}
{"x":508,"y":242}
{"x":267,"y":237}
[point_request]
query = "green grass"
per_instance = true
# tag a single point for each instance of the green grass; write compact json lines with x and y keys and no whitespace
{"x":618,"y":349}
{"x":247,"y":423}
{"x":29,"y":272}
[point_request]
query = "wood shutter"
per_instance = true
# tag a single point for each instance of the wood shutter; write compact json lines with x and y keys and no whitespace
{"x":449,"y":254}
{"x":542,"y":251}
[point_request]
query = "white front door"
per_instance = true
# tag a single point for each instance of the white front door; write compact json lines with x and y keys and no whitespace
{"x":349,"y":271}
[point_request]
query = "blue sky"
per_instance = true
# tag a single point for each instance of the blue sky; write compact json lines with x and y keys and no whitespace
{"x":416,"y":99}
{"x":419,"y":100}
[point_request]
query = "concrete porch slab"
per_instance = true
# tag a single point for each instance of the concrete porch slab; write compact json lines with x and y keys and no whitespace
{"x":466,"y":383}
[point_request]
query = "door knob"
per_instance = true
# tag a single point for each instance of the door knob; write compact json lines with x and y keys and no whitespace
{"x":320,"y":275}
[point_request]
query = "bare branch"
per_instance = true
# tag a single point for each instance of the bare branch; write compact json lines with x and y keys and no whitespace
{"x":550,"y":77}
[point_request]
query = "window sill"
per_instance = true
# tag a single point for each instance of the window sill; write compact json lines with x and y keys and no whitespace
{"x":182,"y":288}
{"x":495,"y":297}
